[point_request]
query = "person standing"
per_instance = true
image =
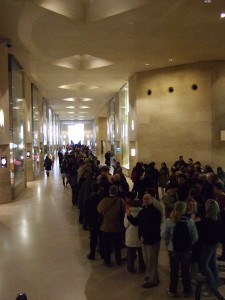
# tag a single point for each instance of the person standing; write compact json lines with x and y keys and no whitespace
{"x":107,"y":158}
{"x":164,"y":176}
{"x":73,"y":183}
{"x":112,"y":209}
{"x":92,"y":217}
{"x":65,"y":173}
{"x":170,"y":197}
{"x":209,"y":237}
{"x":136,"y":174}
{"x":132,"y":240}
{"x":179,"y":233}
{"x":60,"y":156}
{"x":47,"y":165}
{"x":180,"y":164}
{"x":219,"y":196}
{"x":149,"y":221}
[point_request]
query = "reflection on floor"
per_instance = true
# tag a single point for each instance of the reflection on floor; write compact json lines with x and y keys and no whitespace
{"x":43,"y":252}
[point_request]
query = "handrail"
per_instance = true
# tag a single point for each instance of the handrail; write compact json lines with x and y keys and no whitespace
{"x":214,"y":291}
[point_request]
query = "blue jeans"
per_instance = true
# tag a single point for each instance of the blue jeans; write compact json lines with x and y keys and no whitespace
{"x":208,"y":265}
{"x":177,"y":260}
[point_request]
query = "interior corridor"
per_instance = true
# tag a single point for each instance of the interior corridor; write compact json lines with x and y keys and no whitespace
{"x":43,"y":252}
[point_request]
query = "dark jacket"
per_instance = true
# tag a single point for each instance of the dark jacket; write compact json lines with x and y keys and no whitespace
{"x":48,"y":164}
{"x":149,"y":221}
{"x":209,"y":232}
{"x":92,"y":215}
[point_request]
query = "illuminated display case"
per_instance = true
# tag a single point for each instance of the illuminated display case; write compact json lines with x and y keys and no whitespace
{"x":124,"y":119}
{"x":111,"y":125}
{"x":35,"y":121}
{"x":17,"y":151}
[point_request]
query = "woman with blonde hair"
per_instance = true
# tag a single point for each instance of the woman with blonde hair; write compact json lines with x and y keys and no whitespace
{"x":179,"y":233}
{"x":192,"y":212}
{"x":209,"y":237}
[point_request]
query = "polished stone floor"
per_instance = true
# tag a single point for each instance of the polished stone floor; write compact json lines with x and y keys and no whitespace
{"x":43,"y":252}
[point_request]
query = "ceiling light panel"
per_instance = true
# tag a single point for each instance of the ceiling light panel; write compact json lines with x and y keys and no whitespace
{"x":100,"y":9}
{"x":69,"y":8}
{"x":87,"y":99}
{"x":69,"y":99}
{"x":78,"y":86}
{"x":82,"y":62}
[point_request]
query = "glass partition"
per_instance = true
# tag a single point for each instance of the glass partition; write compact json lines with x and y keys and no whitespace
{"x":35,"y":121}
{"x":124,"y":112}
{"x":112,"y":125}
{"x":45,"y":125}
{"x":50,"y":130}
{"x":57,"y":130}
{"x":16,"y":123}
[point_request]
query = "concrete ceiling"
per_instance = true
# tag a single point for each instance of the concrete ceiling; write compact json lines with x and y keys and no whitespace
{"x":86,"y":50}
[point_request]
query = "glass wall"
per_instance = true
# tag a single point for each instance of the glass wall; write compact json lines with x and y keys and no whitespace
{"x":124,"y":112}
{"x":50,"y":130}
{"x":35,"y":122}
{"x":57,"y":130}
{"x":45,"y":125}
{"x":16,"y":123}
{"x":111,"y":125}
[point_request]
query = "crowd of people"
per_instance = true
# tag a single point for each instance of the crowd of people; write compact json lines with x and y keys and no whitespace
{"x":183,"y":205}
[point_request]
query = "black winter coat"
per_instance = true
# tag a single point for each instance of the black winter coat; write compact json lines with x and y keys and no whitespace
{"x":149,"y":222}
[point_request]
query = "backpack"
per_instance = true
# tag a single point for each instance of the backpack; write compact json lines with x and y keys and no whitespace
{"x":181,"y":236}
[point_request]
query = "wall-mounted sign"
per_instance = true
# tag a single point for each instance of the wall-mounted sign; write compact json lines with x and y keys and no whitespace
{"x":118,"y":149}
{"x":133,"y":152}
{"x":2,"y":118}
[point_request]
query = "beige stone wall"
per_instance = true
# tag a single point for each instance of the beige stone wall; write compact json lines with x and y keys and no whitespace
{"x":218,"y":112}
{"x":178,"y":123}
{"x":101,"y":137}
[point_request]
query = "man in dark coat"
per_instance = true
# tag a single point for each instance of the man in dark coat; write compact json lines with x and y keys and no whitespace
{"x":92,"y":218}
{"x":149,"y":221}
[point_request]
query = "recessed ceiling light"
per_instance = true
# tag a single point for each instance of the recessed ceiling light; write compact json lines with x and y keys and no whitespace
{"x":222,"y":15}
{"x":70,"y":112}
{"x":70,"y":107}
{"x":69,"y":99}
{"x":170,"y":59}
{"x":87,"y":99}
{"x":207,"y":1}
{"x":93,"y":87}
{"x":146,"y":65}
{"x":84,"y":107}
